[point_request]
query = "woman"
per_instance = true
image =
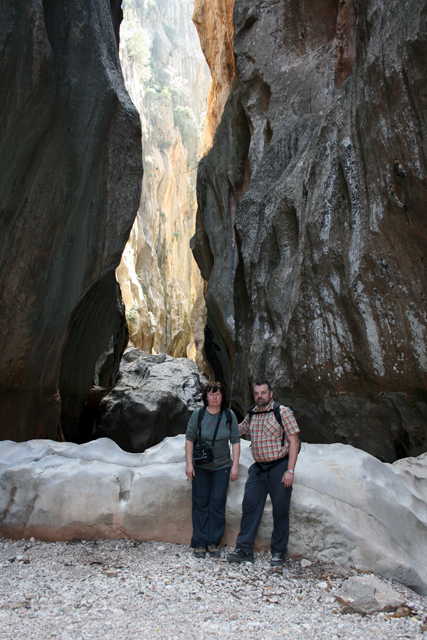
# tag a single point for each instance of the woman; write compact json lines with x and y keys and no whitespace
{"x":211,"y":479}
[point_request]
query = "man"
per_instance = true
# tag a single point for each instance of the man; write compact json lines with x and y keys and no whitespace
{"x":275,"y":450}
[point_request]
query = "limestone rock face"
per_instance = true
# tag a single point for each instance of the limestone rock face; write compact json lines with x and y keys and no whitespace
{"x":311,"y":231}
{"x":53,"y":491}
{"x":167,"y":78}
{"x":70,"y":166}
{"x":214,"y":23}
{"x":154,"y":397}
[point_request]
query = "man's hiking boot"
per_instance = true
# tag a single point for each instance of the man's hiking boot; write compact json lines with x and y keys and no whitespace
{"x":241,"y":556}
{"x":277,"y":559}
{"x":214,"y":551}
{"x":199,"y":552}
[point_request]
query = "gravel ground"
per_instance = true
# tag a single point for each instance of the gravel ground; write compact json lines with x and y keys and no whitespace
{"x":117,"y":590}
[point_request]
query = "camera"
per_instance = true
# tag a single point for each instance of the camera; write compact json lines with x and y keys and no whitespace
{"x":202,"y":455}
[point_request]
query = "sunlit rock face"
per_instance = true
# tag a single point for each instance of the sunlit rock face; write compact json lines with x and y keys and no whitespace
{"x":70,"y":166}
{"x":311,"y":231}
{"x":214,"y":23}
{"x":167,"y":78}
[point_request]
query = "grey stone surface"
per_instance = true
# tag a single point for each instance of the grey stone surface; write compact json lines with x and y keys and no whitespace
{"x":367,"y":594}
{"x":154,"y":398}
{"x":70,"y":166}
{"x":347,"y":507}
{"x":311,"y":226}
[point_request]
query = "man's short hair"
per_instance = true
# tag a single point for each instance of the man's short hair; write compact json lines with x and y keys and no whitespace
{"x":261,"y":383}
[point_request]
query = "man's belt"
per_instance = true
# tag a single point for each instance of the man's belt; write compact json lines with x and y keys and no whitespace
{"x":268,"y":466}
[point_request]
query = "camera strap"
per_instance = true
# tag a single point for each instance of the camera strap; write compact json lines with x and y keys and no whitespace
{"x":199,"y":427}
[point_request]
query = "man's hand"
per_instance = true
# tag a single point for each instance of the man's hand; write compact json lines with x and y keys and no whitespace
{"x":288,"y":479}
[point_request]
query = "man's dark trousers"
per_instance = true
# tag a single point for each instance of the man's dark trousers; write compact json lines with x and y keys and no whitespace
{"x":258,"y":485}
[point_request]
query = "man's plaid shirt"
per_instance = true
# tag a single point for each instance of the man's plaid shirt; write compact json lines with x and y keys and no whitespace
{"x":266,"y":433}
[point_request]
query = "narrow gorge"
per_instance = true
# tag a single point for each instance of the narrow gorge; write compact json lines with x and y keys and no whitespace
{"x":304,"y":214}
{"x":168,"y":80}
{"x":230,"y":190}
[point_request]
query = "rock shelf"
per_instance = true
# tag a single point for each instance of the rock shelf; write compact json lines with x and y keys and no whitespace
{"x":347,"y":507}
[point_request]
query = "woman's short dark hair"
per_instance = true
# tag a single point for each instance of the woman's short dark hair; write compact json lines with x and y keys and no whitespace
{"x":215,"y":386}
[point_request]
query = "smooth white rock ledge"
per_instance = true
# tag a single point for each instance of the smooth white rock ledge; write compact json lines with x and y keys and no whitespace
{"x":347,"y":507}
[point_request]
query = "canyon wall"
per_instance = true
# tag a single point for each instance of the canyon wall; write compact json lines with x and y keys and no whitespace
{"x":214,"y":23}
{"x":311,"y":232}
{"x":167,"y":78}
{"x":70,"y":166}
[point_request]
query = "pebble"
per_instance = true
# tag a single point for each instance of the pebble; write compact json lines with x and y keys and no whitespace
{"x":305,"y":563}
{"x":323,"y":585}
{"x":109,"y":589}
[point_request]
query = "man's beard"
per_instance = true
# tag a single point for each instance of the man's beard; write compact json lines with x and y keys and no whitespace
{"x":262,"y":403}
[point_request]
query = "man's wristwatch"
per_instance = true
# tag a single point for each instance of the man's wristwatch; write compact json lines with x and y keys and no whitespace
{"x":291,"y":471}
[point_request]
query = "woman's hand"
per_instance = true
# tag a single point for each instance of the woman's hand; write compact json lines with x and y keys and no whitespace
{"x":234,"y":473}
{"x":189,"y":471}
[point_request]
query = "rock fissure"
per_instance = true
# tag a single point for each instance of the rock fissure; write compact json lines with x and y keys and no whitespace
{"x":30,"y":507}
{"x":167,"y":77}
{"x":11,"y":499}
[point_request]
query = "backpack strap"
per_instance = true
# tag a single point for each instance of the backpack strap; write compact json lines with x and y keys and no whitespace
{"x":251,"y":412}
{"x":276,"y":409}
{"x":200,"y":416}
{"x":228,"y":418}
{"x":279,"y":420}
{"x":216,"y":428}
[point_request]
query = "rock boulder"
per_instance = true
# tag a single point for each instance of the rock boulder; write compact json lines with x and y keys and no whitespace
{"x":154,"y":397}
{"x":347,"y":507}
{"x":367,"y":594}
